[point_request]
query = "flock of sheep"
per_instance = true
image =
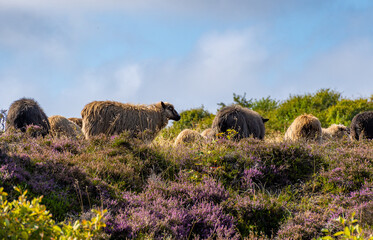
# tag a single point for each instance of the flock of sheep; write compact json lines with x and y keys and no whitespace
{"x":145,"y":121}
{"x":308,"y":127}
{"x":247,"y":123}
{"x":98,"y":117}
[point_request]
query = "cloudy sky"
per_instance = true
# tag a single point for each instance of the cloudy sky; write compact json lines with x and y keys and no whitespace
{"x":66,"y":53}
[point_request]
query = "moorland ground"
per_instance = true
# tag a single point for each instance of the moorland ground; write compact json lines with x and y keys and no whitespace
{"x":220,"y":189}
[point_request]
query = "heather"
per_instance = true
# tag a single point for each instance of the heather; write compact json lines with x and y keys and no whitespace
{"x":221,"y":189}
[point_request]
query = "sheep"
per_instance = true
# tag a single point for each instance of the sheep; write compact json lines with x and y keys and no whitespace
{"x":209,"y":133}
{"x":77,"y":121}
{"x":61,"y":126}
{"x":304,"y":127}
{"x":244,"y":121}
{"x":362,"y":126}
{"x":188,"y":136}
{"x":335,"y":131}
{"x":25,"y":112}
{"x":112,"y":118}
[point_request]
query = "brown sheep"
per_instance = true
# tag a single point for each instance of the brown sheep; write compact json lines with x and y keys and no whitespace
{"x":25,"y":112}
{"x":304,"y":127}
{"x":112,"y":118}
{"x":61,"y":126}
{"x":246,"y":122}
{"x":77,"y":121}
{"x":209,"y":133}
{"x":335,"y":132}
{"x":188,"y":136}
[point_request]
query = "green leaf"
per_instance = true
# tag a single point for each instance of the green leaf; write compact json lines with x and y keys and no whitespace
{"x":338,"y":233}
{"x":24,"y":235}
{"x":347,"y":232}
{"x":57,"y":229}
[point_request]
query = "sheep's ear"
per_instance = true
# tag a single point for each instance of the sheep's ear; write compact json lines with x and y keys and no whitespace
{"x":265,"y":119}
{"x":163,"y":105}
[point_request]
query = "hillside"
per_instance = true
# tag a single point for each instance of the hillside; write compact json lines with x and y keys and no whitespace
{"x":222,"y":189}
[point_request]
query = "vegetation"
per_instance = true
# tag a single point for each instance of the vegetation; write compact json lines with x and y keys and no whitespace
{"x":327,"y":105}
{"x":197,"y":119}
{"x":221,"y":189}
{"x":23,"y":219}
{"x":350,"y":230}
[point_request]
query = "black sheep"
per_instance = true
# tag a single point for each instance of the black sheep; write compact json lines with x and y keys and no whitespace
{"x":24,"y":112}
{"x":244,"y":121}
{"x":362,"y":126}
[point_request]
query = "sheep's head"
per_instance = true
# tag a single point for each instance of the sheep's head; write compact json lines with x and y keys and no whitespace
{"x":170,"y":111}
{"x":343,"y":130}
{"x":339,"y":130}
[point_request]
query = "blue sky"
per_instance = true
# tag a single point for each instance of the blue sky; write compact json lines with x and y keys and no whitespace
{"x":65,"y":54}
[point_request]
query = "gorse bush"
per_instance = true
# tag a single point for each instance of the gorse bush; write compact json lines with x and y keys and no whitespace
{"x":24,"y":219}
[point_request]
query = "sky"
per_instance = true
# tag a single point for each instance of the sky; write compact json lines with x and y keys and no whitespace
{"x":191,"y":53}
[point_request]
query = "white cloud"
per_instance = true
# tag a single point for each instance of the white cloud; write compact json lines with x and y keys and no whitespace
{"x":220,"y":64}
{"x":128,"y":79}
{"x":347,"y":67}
{"x":238,"y":62}
{"x":223,"y":58}
{"x":34,"y":36}
{"x":223,"y":62}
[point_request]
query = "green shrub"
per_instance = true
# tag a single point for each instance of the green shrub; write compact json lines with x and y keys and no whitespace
{"x":327,"y":105}
{"x":265,"y":105}
{"x":197,"y":118}
{"x":316,"y":104}
{"x":24,"y":219}
{"x":345,"y":110}
{"x":350,"y":230}
{"x":240,"y":100}
{"x":262,"y":105}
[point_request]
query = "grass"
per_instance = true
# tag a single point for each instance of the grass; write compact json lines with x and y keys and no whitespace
{"x":222,"y":189}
